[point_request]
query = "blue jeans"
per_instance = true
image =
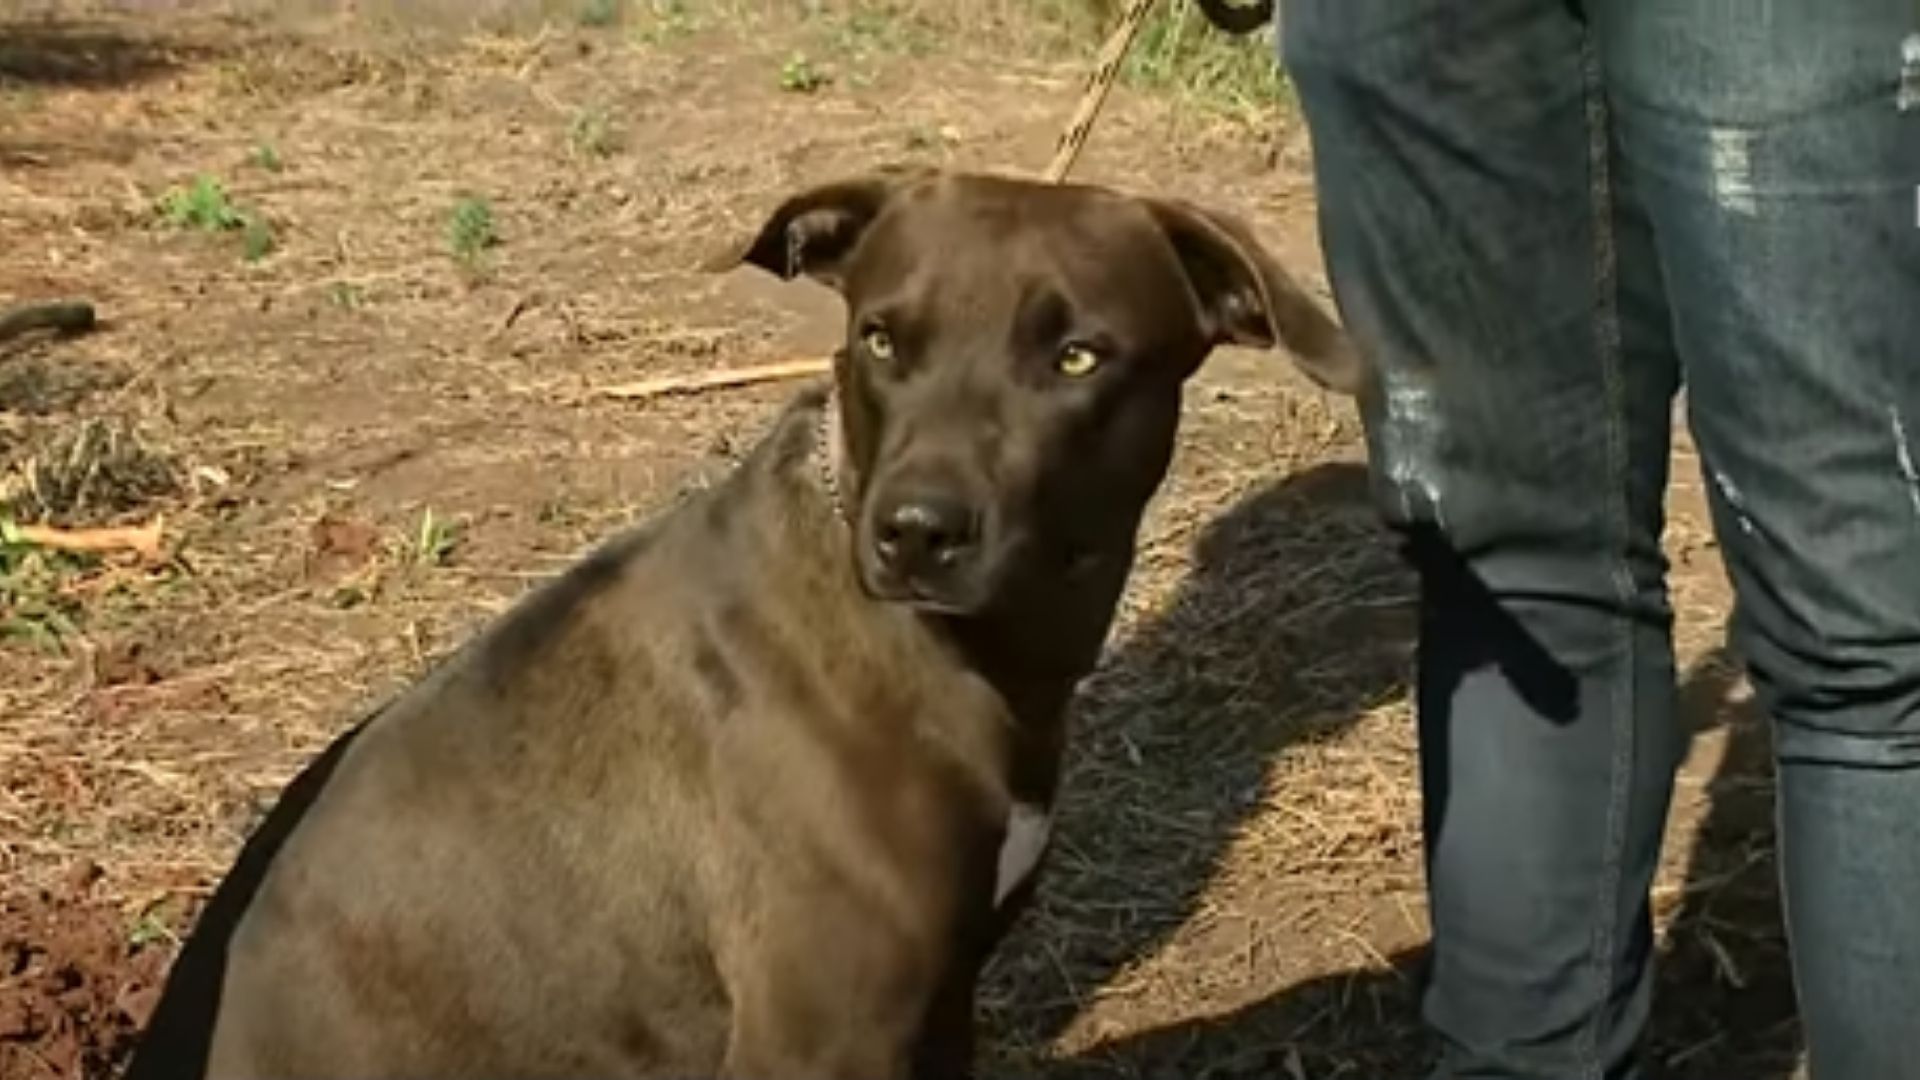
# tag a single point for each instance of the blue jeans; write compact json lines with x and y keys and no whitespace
{"x":1540,"y":216}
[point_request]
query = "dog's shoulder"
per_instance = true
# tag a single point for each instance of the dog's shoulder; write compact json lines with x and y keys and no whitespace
{"x":786,"y":453}
{"x":682,"y":552}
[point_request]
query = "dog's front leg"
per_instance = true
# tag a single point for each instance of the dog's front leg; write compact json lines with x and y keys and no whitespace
{"x":947,"y":1045}
{"x":815,"y":1031}
{"x":822,"y":1056}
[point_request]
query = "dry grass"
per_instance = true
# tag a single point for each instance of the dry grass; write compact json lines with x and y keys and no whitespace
{"x":96,"y":470}
{"x":372,"y":436}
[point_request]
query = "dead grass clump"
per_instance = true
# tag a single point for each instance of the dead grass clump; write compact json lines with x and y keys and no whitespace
{"x":32,"y":386}
{"x":96,"y":471}
{"x":283,"y":68}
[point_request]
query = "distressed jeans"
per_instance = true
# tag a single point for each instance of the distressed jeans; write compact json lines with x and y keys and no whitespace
{"x":1541,"y":217}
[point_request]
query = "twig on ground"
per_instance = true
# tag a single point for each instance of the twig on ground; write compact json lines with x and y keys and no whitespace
{"x":694,"y":382}
{"x":143,"y":540}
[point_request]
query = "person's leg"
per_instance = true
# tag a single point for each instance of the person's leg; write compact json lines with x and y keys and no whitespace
{"x":1519,"y":441}
{"x":1782,"y":174}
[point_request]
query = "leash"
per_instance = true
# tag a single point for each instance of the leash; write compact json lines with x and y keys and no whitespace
{"x":1100,"y":80}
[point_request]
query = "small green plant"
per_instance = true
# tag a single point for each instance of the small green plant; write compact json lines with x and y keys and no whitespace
{"x":434,"y":540}
{"x":591,"y":133}
{"x":470,"y":230}
{"x":867,"y":32}
{"x":600,"y":12}
{"x":153,"y":924}
{"x":266,"y":157}
{"x":205,"y":206}
{"x":350,"y":595}
{"x":347,"y":295}
{"x":202,"y":205}
{"x":925,"y":137}
{"x":257,"y":241}
{"x":801,"y":75}
{"x":665,"y":20}
{"x":148,"y":929}
{"x":34,"y":606}
{"x":553,"y":511}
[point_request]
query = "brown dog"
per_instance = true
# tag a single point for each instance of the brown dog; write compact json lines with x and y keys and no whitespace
{"x":753,"y":790}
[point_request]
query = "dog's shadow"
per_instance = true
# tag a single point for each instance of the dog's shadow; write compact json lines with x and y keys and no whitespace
{"x":1295,"y":620}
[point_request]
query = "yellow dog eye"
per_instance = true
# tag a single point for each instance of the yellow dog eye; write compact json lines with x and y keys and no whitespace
{"x":1077,"y":360}
{"x":878,"y":344}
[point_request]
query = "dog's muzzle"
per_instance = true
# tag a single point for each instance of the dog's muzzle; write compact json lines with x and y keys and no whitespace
{"x":924,"y":549}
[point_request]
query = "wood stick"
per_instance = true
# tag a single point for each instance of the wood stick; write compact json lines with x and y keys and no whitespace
{"x":143,"y":540}
{"x":712,"y":380}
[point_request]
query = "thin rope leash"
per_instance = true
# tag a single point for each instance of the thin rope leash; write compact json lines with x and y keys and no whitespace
{"x":1106,"y":70}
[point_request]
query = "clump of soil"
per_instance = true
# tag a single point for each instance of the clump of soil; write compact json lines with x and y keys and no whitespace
{"x":77,"y":982}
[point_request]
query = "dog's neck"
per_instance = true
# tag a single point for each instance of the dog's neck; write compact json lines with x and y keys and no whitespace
{"x":1037,"y":672}
{"x":1032,"y":662}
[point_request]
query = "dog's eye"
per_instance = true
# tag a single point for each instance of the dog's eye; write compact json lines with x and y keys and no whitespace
{"x":1077,"y":360}
{"x":878,"y":343}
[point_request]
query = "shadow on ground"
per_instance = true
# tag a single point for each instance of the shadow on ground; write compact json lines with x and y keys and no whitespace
{"x":52,"y":54}
{"x":83,"y":54}
{"x":1195,"y":707}
{"x":1726,"y":1006}
{"x":1293,"y":623}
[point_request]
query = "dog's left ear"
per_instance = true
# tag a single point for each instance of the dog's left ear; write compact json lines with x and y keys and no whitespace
{"x":1247,"y":298}
{"x":814,"y":232}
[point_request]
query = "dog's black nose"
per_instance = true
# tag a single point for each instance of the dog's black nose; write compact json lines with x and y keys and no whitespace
{"x":925,"y":535}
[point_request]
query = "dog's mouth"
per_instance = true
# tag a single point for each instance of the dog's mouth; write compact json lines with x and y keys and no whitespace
{"x":956,"y":596}
{"x":927,"y":604}
{"x":991,"y":585}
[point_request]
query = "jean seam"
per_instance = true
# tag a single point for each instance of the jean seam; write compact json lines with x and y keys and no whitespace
{"x":1607,"y":348}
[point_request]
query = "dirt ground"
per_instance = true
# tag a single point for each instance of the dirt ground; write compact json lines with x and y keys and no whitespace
{"x":359,"y":382}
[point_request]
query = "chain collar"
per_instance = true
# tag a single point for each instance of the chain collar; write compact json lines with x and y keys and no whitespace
{"x":827,"y":453}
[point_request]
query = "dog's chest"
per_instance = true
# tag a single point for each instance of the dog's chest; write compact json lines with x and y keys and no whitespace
{"x":1029,"y":826}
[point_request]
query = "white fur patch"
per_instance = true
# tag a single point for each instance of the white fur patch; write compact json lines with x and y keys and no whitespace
{"x":1028,"y":828}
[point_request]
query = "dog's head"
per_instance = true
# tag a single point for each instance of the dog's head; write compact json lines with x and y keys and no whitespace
{"x":1011,"y":381}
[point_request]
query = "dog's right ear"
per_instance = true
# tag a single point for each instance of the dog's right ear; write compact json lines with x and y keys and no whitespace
{"x":1247,"y":298}
{"x":814,"y":232}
